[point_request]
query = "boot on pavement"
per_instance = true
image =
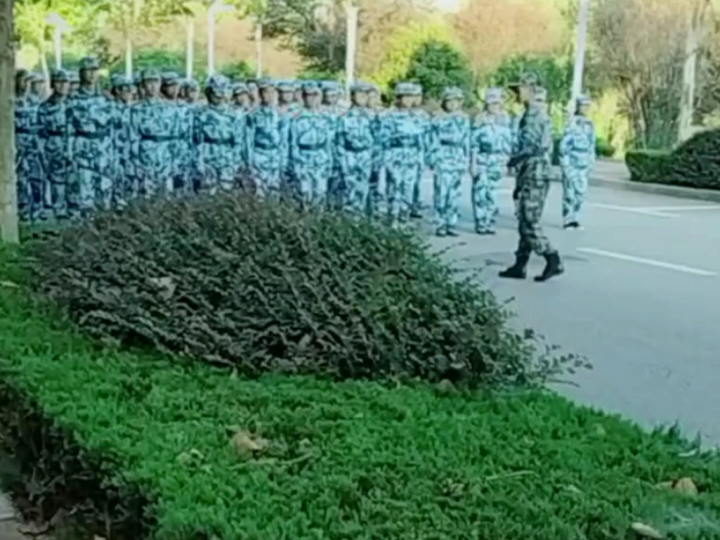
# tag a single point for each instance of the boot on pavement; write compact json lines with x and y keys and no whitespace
{"x":517,"y":270}
{"x":553,"y":267}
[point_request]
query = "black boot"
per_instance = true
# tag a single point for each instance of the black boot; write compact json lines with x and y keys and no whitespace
{"x":517,"y":270}
{"x":553,"y":267}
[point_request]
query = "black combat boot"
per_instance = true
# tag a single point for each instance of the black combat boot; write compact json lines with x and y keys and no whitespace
{"x":553,"y":267}
{"x":517,"y":270}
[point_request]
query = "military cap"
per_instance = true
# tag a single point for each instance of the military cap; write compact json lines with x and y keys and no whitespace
{"x":493,"y":95}
{"x":170,"y":77}
{"x":452,"y":92}
{"x":74,"y":77}
{"x":60,"y":75}
{"x":22,"y":73}
{"x":239,"y":88}
{"x":540,"y":94}
{"x":89,"y":63}
{"x":120,"y":80}
{"x":150,"y":74}
{"x":373,"y":88}
{"x":360,"y":87}
{"x":266,"y":84}
{"x":528,"y":78}
{"x":286,"y":86}
{"x":218,"y":83}
{"x":192,"y":84}
{"x":36,"y":77}
{"x":331,"y":87}
{"x":583,"y":99}
{"x":404,"y":89}
{"x":311,"y":88}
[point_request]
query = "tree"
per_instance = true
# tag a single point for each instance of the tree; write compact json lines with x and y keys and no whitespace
{"x":437,"y":65}
{"x":639,"y":47}
{"x":8,"y":190}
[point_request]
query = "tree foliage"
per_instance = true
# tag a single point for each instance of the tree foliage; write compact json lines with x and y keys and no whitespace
{"x":436,"y":65}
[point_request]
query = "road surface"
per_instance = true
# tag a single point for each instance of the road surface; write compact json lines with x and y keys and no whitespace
{"x":640,"y":299}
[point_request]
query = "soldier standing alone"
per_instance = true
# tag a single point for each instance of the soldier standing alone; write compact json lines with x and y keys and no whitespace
{"x":532,"y":160}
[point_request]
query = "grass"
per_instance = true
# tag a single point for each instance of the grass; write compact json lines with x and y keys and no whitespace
{"x":197,"y":453}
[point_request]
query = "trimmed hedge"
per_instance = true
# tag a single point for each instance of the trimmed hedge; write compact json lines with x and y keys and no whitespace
{"x":695,"y":163}
{"x":260,"y":286}
{"x":139,"y":446}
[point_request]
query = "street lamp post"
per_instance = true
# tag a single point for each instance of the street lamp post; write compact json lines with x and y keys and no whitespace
{"x":218,"y":6}
{"x":61,"y":25}
{"x":580,"y":51}
{"x":352,"y":22}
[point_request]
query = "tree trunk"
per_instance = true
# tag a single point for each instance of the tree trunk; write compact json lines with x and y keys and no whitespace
{"x":259,"y":47}
{"x":695,"y":24}
{"x":8,"y":189}
{"x":43,"y":65}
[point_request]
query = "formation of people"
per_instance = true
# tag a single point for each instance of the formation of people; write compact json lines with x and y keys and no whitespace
{"x":81,"y":150}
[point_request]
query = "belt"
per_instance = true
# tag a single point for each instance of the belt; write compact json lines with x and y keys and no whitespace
{"x":161,"y":138}
{"x":313,"y":146}
{"x":94,"y":136}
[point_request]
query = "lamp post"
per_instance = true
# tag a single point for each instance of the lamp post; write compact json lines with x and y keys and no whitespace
{"x":61,"y":25}
{"x":352,"y":23}
{"x":580,"y":52}
{"x":218,"y":6}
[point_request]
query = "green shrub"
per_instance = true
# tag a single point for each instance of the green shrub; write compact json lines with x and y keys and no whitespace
{"x":604,"y":148}
{"x":695,"y":163}
{"x":261,"y":286}
{"x":138,"y":447}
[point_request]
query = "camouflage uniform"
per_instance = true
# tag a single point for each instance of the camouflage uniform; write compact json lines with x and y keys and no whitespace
{"x":355,"y":140}
{"x":424,"y":120}
{"x":332,"y":93}
{"x":265,"y":145}
{"x":532,"y":160}
{"x":28,"y":166}
{"x":492,"y":145}
{"x":37,"y":89}
{"x":404,"y":139}
{"x":311,"y":150}
{"x":287,"y":109}
{"x":124,"y":177}
{"x":219,"y":138}
{"x":448,"y":156}
{"x":577,"y":156}
{"x":153,"y":131}
{"x":375,"y":195}
{"x":90,"y":116}
{"x":55,"y":147}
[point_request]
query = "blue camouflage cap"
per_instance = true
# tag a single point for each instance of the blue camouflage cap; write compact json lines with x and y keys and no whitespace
{"x":331,"y":87}
{"x":150,"y":75}
{"x":116,"y":81}
{"x":89,"y":63}
{"x":361,"y":87}
{"x":452,"y":92}
{"x":286,"y":86}
{"x":170,"y":78}
{"x":406,"y":89}
{"x":74,"y":76}
{"x":218,"y":84}
{"x":311,"y":88}
{"x":493,"y":95}
{"x":36,"y":77}
{"x":240,"y":88}
{"x":60,"y":75}
{"x":191,"y":84}
{"x":527,"y":78}
{"x":266,"y":84}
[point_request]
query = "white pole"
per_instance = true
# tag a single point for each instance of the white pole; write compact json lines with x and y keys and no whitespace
{"x":128,"y":57}
{"x":190,"y":48}
{"x":211,"y":40}
{"x":58,"y":48}
{"x":577,"y":83}
{"x":352,"y":22}
{"x":259,"y":48}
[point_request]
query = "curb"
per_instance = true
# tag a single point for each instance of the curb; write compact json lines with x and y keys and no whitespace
{"x":657,"y":189}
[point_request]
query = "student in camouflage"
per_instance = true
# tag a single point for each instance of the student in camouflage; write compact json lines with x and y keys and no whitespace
{"x":55,"y":148}
{"x":403,"y":139}
{"x":219,"y":138}
{"x":124,"y":178}
{"x":376,"y":108}
{"x":189,"y":91}
{"x":265,"y":143}
{"x":241,"y":96}
{"x":153,"y":131}
{"x":448,"y":156}
{"x":491,"y":148}
{"x":355,"y":148}
{"x":287,"y":109}
{"x":423,"y":119}
{"x":577,"y":157}
{"x":90,"y":116}
{"x":37,"y":88}
{"x":311,"y":148}
{"x":532,"y":160}
{"x":28,"y":166}
{"x":74,"y":83}
{"x":331,"y":95}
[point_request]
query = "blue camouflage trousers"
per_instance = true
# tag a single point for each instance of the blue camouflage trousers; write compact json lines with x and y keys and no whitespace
{"x":575,"y":183}
{"x":446,"y":194}
{"x":312,"y":172}
{"x":484,"y":196}
{"x":402,"y":172}
{"x":266,"y":171}
{"x":357,"y":181}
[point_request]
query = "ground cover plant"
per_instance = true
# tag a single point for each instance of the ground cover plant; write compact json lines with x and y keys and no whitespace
{"x":695,"y":163}
{"x":261,"y":287}
{"x":137,"y":445}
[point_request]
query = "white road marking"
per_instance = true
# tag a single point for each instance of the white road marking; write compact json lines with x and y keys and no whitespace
{"x":649,"y":262}
{"x":681,"y":208}
{"x":634,"y":210}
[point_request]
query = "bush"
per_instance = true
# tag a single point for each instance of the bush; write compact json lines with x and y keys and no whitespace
{"x":437,"y":65}
{"x":263,"y":287}
{"x":648,"y":165}
{"x":604,"y":148}
{"x":137,"y":446}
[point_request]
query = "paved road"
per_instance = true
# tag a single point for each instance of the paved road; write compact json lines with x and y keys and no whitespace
{"x":640,"y":298}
